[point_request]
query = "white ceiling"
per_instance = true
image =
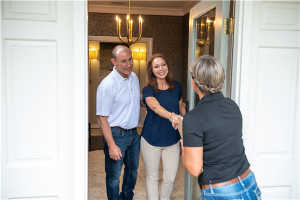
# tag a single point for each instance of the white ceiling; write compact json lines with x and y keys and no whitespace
{"x":143,"y":7}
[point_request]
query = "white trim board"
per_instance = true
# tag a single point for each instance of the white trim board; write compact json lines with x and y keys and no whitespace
{"x":142,"y":10}
{"x":1,"y":96}
{"x":80,"y":96}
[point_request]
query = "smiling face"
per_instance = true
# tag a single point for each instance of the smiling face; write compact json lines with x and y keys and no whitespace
{"x":123,"y":62}
{"x":160,"y":68}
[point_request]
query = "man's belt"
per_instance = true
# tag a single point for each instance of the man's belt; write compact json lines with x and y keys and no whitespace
{"x":118,"y":127}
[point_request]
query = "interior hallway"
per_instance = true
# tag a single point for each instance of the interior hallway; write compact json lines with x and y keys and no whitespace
{"x":96,"y":180}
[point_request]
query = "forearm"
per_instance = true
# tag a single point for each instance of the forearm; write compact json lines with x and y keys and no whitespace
{"x":154,"y":105}
{"x":182,"y":110}
{"x":192,"y":159}
{"x":106,"y":130}
{"x":162,"y":112}
{"x":190,"y":167}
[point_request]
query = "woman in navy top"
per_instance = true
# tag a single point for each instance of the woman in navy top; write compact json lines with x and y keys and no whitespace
{"x":162,"y":97}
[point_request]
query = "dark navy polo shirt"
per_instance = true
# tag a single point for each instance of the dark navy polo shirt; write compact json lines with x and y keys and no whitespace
{"x":158,"y":131}
{"x":216,"y":125}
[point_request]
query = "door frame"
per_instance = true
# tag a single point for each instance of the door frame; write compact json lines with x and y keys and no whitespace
{"x":80,"y":98}
{"x":241,"y":50}
{"x":0,"y":96}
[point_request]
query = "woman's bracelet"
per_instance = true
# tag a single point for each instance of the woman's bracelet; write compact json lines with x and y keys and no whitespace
{"x":171,"y":116}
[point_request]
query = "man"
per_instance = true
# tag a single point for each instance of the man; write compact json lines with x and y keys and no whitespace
{"x":118,"y":109}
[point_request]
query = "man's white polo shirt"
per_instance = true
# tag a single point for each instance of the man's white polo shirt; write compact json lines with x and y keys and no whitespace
{"x":119,"y":99}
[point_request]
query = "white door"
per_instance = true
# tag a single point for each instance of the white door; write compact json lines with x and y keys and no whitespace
{"x":266,"y":87}
{"x":43,"y":100}
{"x":202,"y":41}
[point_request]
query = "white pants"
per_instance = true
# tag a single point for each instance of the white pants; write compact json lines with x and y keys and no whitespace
{"x":170,"y":158}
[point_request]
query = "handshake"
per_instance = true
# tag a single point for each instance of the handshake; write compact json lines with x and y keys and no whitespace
{"x":176,"y":121}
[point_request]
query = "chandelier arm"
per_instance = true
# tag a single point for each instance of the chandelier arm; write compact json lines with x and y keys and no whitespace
{"x":140,"y":33}
{"x":119,"y":32}
{"x":120,"y":37}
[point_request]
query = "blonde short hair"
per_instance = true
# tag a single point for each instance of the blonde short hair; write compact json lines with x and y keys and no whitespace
{"x":208,"y":74}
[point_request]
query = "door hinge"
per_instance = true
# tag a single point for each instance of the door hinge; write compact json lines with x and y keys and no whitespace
{"x":228,"y":26}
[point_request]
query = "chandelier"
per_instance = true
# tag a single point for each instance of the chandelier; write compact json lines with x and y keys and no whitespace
{"x":129,"y":29}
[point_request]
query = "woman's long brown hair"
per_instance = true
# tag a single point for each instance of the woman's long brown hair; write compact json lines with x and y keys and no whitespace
{"x":151,"y":78}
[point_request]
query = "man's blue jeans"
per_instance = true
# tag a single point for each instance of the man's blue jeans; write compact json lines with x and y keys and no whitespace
{"x":129,"y":143}
{"x":245,"y":189}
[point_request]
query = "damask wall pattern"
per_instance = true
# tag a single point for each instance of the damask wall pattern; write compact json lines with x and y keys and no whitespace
{"x":166,"y":31}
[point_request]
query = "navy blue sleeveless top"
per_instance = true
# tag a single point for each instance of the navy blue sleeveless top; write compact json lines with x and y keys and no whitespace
{"x":158,"y":131}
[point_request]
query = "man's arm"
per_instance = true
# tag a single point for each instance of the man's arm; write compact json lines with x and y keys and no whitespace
{"x":114,"y":151}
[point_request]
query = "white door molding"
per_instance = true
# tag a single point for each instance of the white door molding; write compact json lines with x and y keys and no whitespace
{"x":80,"y":97}
{"x":1,"y":99}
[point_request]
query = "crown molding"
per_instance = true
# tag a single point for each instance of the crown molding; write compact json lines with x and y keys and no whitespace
{"x":139,"y":10}
{"x":188,"y":7}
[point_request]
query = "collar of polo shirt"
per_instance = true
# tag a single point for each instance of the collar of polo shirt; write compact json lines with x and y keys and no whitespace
{"x":119,"y":77}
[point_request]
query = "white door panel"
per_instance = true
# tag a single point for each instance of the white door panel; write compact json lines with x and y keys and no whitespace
{"x":269,"y":95}
{"x":37,"y":100}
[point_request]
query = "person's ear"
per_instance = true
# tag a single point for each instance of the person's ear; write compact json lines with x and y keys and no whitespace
{"x":193,"y":83}
{"x":195,"y":87}
{"x":113,"y":61}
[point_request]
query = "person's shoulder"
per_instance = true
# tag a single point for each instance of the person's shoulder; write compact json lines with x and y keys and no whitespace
{"x":177,"y":85}
{"x":198,"y":112}
{"x":191,"y":117}
{"x":133,"y":75}
{"x":176,"y":82}
{"x":148,"y":87}
{"x":108,"y":81}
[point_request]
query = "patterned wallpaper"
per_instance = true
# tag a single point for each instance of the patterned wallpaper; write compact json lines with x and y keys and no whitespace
{"x":166,"y":31}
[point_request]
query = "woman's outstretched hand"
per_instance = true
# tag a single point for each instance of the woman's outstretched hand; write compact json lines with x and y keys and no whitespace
{"x":175,"y":119}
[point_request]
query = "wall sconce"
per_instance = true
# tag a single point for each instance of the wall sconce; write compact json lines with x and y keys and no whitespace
{"x":138,"y":55}
{"x":92,"y":55}
{"x":208,"y":24}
